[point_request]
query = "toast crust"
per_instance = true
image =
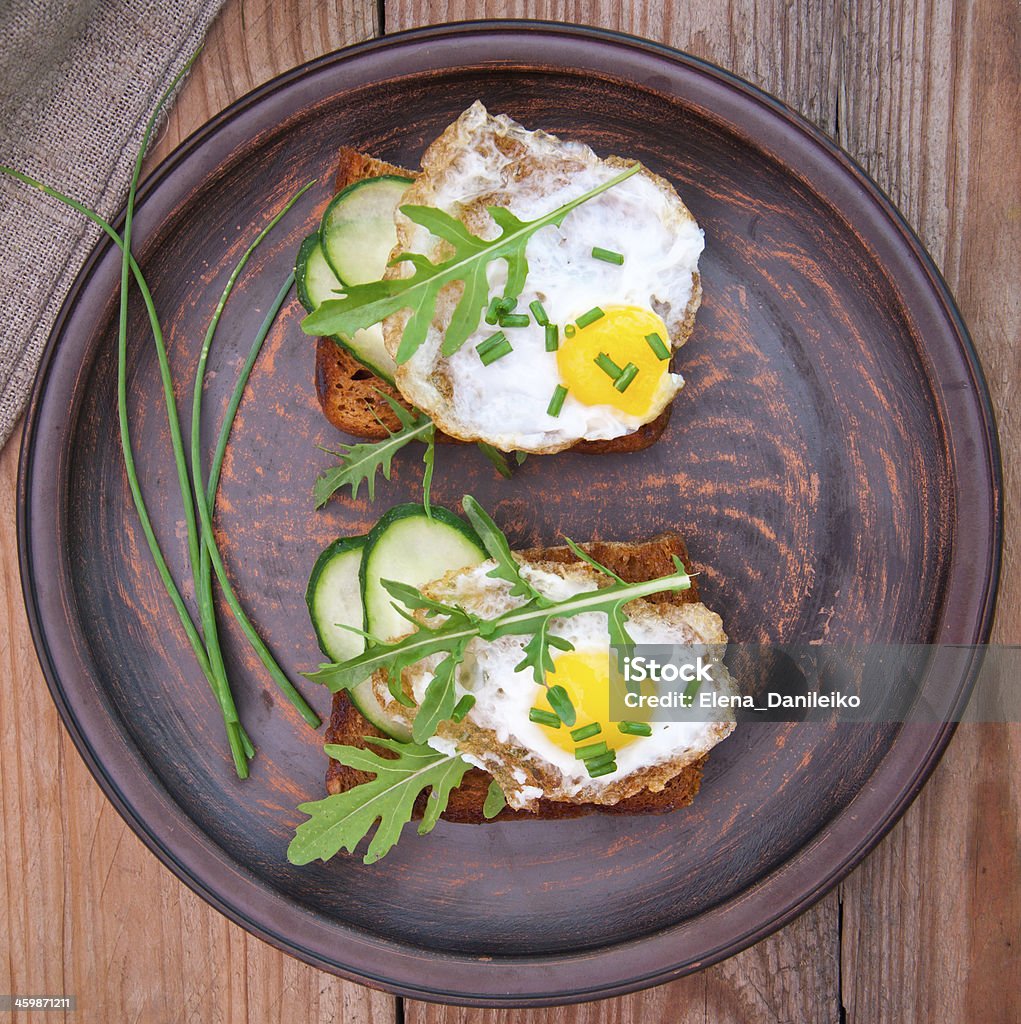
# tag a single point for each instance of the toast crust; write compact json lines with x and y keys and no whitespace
{"x":634,"y":563}
{"x":348,"y":392}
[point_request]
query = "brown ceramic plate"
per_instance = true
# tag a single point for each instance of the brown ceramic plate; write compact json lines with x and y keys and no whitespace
{"x":832,"y":462}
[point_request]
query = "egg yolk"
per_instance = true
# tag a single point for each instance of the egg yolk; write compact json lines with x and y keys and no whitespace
{"x":620,"y":334}
{"x":585,"y":675}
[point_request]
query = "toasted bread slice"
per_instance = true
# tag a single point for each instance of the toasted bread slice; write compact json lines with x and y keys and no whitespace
{"x":634,"y":563}
{"x":350,"y":394}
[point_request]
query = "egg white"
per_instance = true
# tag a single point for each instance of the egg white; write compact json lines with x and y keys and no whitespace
{"x":506,"y":402}
{"x":518,"y":750}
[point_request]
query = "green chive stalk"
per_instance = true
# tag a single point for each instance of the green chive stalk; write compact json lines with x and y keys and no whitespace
{"x":205,"y":563}
{"x":240,"y":744}
{"x":207,"y":537}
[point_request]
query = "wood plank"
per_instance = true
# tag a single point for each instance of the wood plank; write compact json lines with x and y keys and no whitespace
{"x":251,"y":42}
{"x":790,"y":51}
{"x":932,"y":919}
{"x":85,"y":908}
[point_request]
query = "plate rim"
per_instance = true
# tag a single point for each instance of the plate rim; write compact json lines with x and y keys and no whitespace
{"x":494,"y":987}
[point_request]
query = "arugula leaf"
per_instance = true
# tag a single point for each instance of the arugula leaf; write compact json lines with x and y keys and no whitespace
{"x":429,"y":459}
{"x":495,"y":801}
{"x":537,"y":652}
{"x":394,"y":657}
{"x":367,"y":304}
{"x":361,"y":462}
{"x":615,"y":621}
{"x":494,"y":540}
{"x":411,"y":597}
{"x":532,"y":620}
{"x":440,"y":697}
{"x":586,"y":557}
{"x":341,"y":821}
{"x":497,"y":458}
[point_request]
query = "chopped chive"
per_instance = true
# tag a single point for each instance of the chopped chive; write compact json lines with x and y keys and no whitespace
{"x":591,"y":750}
{"x":592,"y":763}
{"x":514,"y":320}
{"x":627,"y":375}
{"x":594,"y":314}
{"x":635,"y":728}
{"x":607,"y":255}
{"x":561,"y":703}
{"x":496,"y":346}
{"x":569,"y":331}
{"x":556,"y":403}
{"x":583,"y":732}
{"x":539,"y":313}
{"x":498,"y":307}
{"x":496,"y":352}
{"x":658,"y":345}
{"x":606,"y":769}
{"x":543,"y":717}
{"x":607,"y":365}
{"x":491,"y":342}
{"x":552,"y":337}
{"x":462,"y":707}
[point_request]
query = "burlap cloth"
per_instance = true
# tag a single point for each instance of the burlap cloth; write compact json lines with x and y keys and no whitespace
{"x":78,"y":80}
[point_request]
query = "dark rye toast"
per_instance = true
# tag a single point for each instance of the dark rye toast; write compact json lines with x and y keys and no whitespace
{"x":349,"y":393}
{"x":634,"y":562}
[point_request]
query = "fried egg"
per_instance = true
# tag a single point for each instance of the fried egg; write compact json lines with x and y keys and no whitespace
{"x":599,"y":308}
{"x":531,"y":760}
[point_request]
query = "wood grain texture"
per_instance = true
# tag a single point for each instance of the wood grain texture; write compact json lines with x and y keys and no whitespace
{"x":85,"y":908}
{"x":928,"y":102}
{"x":932,"y":921}
{"x":252,"y":41}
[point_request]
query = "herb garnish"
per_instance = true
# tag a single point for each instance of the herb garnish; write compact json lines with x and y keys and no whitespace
{"x":658,"y":345}
{"x":532,"y":619}
{"x":205,"y":645}
{"x":539,"y":312}
{"x":608,"y":366}
{"x":543,"y":717}
{"x":556,"y":402}
{"x":635,"y":728}
{"x":583,"y":732}
{"x":368,"y":304}
{"x":496,"y":346}
{"x":594,"y":314}
{"x":607,"y":255}
{"x":495,"y":802}
{"x":341,"y":821}
{"x":361,"y":462}
{"x":626,"y":376}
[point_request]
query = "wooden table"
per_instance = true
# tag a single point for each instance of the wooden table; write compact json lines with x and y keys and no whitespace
{"x":927,"y":96}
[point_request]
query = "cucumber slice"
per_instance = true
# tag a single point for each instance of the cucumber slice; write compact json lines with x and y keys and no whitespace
{"x":407,"y":546}
{"x":316,"y":282}
{"x":357,"y":232}
{"x":334,"y":596}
